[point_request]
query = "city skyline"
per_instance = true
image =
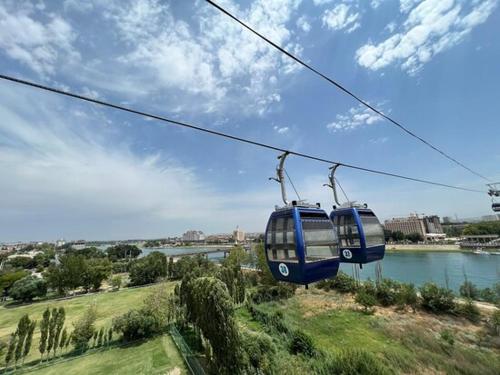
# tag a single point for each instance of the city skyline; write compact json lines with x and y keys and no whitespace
{"x":75,"y":170}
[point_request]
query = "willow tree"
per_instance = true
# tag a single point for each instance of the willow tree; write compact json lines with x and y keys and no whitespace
{"x":211,"y":310}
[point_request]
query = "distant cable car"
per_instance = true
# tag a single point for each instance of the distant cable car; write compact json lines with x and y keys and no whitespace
{"x":494,"y":191}
{"x":300,"y":242}
{"x":360,"y":234}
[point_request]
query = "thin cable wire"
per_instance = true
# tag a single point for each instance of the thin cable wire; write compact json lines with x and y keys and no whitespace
{"x":340,"y":186}
{"x":342,"y":88}
{"x":225,"y":135}
{"x":293,"y":186}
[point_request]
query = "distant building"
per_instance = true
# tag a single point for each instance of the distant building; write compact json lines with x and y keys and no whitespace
{"x":238,"y":235}
{"x":429,"y":227}
{"x":193,"y":236}
{"x":447,"y":220}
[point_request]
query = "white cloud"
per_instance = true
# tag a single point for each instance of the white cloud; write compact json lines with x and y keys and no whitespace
{"x":281,"y":130}
{"x":304,"y":24}
{"x":321,"y":2}
{"x":342,"y":16}
{"x":356,"y":117}
{"x":219,"y":60}
{"x":431,"y":27}
{"x":391,"y":27}
{"x":61,"y":178}
{"x":40,"y":46}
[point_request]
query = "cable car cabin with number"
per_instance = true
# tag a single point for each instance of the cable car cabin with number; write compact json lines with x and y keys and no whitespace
{"x":360,"y":234}
{"x":301,"y":245}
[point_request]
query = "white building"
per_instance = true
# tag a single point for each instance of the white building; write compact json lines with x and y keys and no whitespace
{"x":193,"y":236}
{"x":238,"y":235}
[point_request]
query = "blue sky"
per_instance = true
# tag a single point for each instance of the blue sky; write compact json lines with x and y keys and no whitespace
{"x":75,"y":170}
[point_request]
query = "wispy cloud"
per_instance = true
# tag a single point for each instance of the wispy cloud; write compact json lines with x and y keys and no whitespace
{"x":342,"y":16}
{"x":281,"y":130}
{"x":430,"y":28}
{"x":39,"y":46}
{"x":355,"y":118}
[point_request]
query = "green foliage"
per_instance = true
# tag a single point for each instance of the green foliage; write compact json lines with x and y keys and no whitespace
{"x":134,"y":325}
{"x":260,"y":351}
{"x":68,"y":274}
{"x":414,"y":237}
{"x":407,"y":296}
{"x":387,"y":292}
{"x":101,"y":335}
{"x":88,"y":252}
{"x":301,"y":343}
{"x":211,"y":310}
{"x":365,"y":299}
{"x":437,"y":299}
{"x":447,"y":336}
{"x":28,"y":288}
{"x":149,"y":269}
{"x":64,"y":338}
{"x":29,"y":338}
{"x":7,"y":279}
{"x":274,"y":321}
{"x":23,"y":328}
{"x":350,"y":362}
{"x":44,"y":331}
{"x":342,"y":283}
{"x":152,"y":243}
{"x":232,"y":276}
{"x":266,"y":277}
{"x":95,"y":272}
{"x":273,"y":293}
{"x":197,"y":265}
{"x":469,"y":310}
{"x":123,"y":251}
{"x":11,"y":348}
{"x":469,"y":290}
{"x":489,"y":295}
{"x":116,"y":282}
{"x":236,"y":258}
{"x":485,"y":227}
{"x":84,"y":329}
{"x":23,"y":262}
{"x":60,"y":318}
{"x":493,"y":323}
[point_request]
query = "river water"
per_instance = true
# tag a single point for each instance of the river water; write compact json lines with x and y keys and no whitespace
{"x":411,"y":266}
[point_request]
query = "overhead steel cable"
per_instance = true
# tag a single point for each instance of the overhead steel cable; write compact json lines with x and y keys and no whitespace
{"x":225,"y":135}
{"x":343,"y":88}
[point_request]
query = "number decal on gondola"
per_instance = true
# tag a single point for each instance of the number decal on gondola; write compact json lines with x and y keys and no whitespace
{"x":283,"y":269}
{"x":347,"y":253}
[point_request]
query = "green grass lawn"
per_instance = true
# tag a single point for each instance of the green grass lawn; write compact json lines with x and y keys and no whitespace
{"x":156,"y":356}
{"x":108,"y":304}
{"x":413,"y":349}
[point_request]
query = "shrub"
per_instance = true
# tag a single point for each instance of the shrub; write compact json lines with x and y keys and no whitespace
{"x":447,"y":336}
{"x":273,"y":293}
{"x":116,"y":282}
{"x":493,"y":323}
{"x":350,"y":362}
{"x":28,"y":288}
{"x":387,"y":291}
{"x":301,"y":343}
{"x":469,"y":290}
{"x":469,"y":310}
{"x":437,"y":299}
{"x":407,"y":296}
{"x":488,"y":295}
{"x":366,"y":300}
{"x":274,"y":321}
{"x":342,"y":283}
{"x":84,"y":329}
{"x":135,"y":325}
{"x":260,"y":352}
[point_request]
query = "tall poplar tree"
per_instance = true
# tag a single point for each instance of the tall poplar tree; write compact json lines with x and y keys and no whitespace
{"x":44,"y":330}
{"x":29,"y":339}
{"x":64,"y":338}
{"x":52,"y":330}
{"x":22,"y":331}
{"x":11,"y":349}
{"x":60,"y":318}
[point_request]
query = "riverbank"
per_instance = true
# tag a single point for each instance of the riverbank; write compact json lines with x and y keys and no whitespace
{"x":425,"y":247}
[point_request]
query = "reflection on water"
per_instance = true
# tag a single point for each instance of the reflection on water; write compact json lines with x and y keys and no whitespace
{"x":420,"y":267}
{"x":414,"y":267}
